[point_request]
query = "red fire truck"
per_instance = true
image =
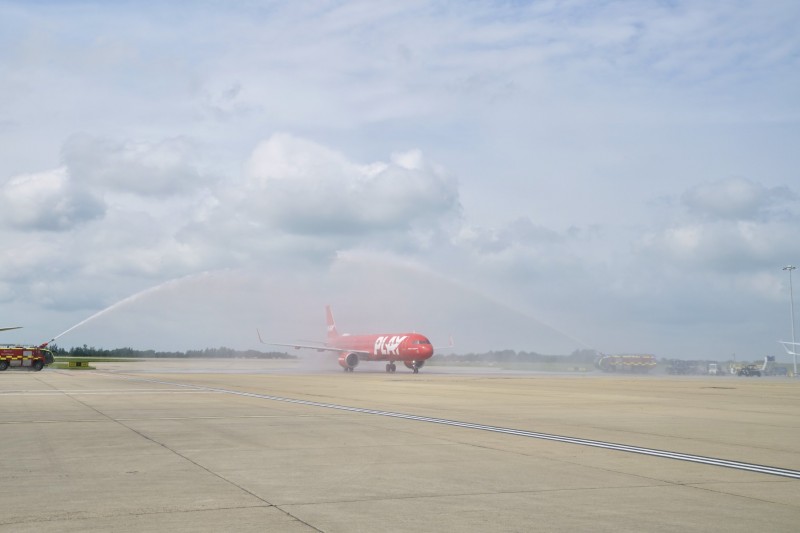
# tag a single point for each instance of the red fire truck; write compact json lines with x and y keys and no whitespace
{"x":33,"y":357}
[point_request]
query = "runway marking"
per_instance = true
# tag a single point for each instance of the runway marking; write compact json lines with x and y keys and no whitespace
{"x":98,"y":392}
{"x":145,"y":419}
{"x":737,"y":465}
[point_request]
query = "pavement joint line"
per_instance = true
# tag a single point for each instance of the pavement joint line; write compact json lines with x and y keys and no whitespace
{"x":184,"y":457}
{"x":79,"y":420}
{"x":102,"y":393}
{"x":31,"y":520}
{"x":476,"y":494}
{"x":711,"y":461}
{"x":54,"y":390}
{"x":698,"y":486}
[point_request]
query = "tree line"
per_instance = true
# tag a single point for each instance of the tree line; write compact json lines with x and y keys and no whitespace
{"x":222,"y":352}
{"x":511,"y":356}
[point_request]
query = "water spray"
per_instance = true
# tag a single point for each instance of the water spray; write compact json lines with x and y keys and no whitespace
{"x":120,"y":303}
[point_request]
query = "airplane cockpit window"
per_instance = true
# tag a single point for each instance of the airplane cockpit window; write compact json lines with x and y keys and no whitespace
{"x":421,"y":341}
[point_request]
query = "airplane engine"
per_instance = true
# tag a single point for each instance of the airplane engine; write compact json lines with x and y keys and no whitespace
{"x":348,"y":360}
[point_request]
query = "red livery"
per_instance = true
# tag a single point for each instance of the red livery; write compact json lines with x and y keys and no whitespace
{"x":412,"y":349}
{"x":35,"y":357}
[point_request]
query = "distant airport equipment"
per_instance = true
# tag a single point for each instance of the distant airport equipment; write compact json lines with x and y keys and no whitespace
{"x":412,"y":349}
{"x":635,"y":363}
{"x":771,"y":368}
{"x":33,"y":357}
{"x":792,"y":351}
{"x":684,"y":367}
{"x":768,"y":367}
{"x":715,"y":369}
{"x":749,"y":371}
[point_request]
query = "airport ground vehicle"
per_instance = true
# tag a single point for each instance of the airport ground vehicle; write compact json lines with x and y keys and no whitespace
{"x":33,"y":357}
{"x":692,"y":367}
{"x":684,"y":367}
{"x":749,"y":371}
{"x":768,"y":368}
{"x":626,"y":363}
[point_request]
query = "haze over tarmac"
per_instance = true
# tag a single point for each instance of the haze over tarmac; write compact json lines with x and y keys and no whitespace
{"x":624,"y":171}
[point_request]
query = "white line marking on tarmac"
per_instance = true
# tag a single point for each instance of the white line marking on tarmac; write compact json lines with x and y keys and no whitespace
{"x":101,"y":392}
{"x":737,"y":465}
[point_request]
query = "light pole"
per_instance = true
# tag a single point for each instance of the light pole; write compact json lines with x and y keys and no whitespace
{"x":791,"y":314}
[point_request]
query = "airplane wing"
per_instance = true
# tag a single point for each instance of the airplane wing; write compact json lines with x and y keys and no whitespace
{"x":318,"y":347}
{"x":14,"y":327}
{"x":786,"y":347}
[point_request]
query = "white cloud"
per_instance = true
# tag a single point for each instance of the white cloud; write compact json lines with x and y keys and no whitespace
{"x":734,"y":225}
{"x":300,"y":187}
{"x":519,"y":233}
{"x":48,"y":201}
{"x":721,"y":246}
{"x":735,"y":198}
{"x":150,"y":169}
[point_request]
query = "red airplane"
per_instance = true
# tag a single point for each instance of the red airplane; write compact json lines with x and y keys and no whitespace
{"x":410,"y":348}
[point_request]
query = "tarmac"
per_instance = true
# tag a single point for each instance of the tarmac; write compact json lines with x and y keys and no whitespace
{"x":213,"y":445}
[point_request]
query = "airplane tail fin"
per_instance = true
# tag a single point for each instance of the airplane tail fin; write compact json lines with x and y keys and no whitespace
{"x":332,"y":333}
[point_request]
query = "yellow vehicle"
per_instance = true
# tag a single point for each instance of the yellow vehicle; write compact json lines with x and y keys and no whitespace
{"x":33,"y":357}
{"x":636,"y":363}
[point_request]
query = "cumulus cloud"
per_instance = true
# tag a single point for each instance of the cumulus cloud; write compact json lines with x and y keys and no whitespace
{"x":733,"y":227}
{"x":144,"y":168}
{"x":48,"y":201}
{"x":521,"y":232}
{"x":303,"y":188}
{"x":734,"y":198}
{"x":721,"y":245}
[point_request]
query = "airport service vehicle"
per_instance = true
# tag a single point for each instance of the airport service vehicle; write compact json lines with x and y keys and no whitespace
{"x":768,"y":368}
{"x":33,"y":357}
{"x":412,"y":349}
{"x":626,"y":363}
{"x":749,"y":371}
{"x":692,"y":367}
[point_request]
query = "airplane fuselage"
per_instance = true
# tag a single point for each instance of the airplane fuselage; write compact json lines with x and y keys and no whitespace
{"x":412,"y":349}
{"x":406,"y":347}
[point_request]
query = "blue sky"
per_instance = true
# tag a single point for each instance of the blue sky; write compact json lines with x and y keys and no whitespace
{"x":623,"y":172}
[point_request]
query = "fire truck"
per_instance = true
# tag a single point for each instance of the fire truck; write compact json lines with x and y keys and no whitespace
{"x":626,"y":363}
{"x":33,"y":357}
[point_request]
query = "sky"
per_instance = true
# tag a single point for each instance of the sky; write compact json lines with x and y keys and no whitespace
{"x":530,"y":175}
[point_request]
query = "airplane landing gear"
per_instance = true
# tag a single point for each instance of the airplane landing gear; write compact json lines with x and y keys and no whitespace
{"x":414,"y":366}
{"x":390,"y":368}
{"x":348,"y":369}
